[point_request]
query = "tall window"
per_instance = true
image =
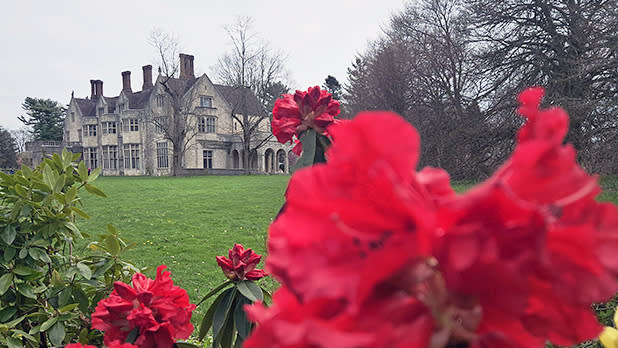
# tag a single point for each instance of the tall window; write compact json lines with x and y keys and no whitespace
{"x":90,"y":155}
{"x":205,"y":101}
{"x":108,"y":127}
{"x":207,"y":158}
{"x":160,"y":124}
{"x":211,"y":124}
{"x":162,"y":156}
{"x":90,"y":130}
{"x":131,"y":156}
{"x":72,"y":116}
{"x":110,"y":157}
{"x":160,"y":100}
{"x":201,"y":124}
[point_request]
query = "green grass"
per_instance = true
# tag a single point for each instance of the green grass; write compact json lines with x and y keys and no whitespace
{"x":185,"y":222}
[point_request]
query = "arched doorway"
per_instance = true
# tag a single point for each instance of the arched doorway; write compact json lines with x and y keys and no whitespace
{"x":281,"y":165}
{"x":235,"y":159}
{"x":292,"y":158}
{"x":253,"y":160}
{"x":269,"y":161}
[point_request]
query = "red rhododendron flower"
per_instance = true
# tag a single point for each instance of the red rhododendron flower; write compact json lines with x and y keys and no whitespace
{"x":241,"y":264}
{"x":501,"y":265}
{"x":296,"y":113}
{"x":158,"y":309}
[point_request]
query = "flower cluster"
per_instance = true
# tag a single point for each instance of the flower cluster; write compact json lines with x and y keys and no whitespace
{"x":157,"y":310}
{"x":241,"y":264}
{"x":293,"y":114}
{"x":372,"y":253}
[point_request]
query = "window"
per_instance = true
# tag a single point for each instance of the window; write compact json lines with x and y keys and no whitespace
{"x":160,"y":124}
{"x":130,"y":125}
{"x":90,"y":130}
{"x":101,"y":111}
{"x":120,"y":106}
{"x":108,"y":127}
{"x":131,"y":156}
{"x":72,"y":116}
{"x":79,"y":134}
{"x":207,"y":158}
{"x":160,"y":100}
{"x":210,"y":124}
{"x":67,"y":136}
{"x":201,"y":124}
{"x":90,"y":155}
{"x":205,"y":101}
{"x":162,"y":157}
{"x":110,"y":157}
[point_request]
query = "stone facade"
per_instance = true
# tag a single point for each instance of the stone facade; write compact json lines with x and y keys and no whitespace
{"x":122,"y":134}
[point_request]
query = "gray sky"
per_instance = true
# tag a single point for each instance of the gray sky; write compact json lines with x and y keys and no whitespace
{"x":50,"y":48}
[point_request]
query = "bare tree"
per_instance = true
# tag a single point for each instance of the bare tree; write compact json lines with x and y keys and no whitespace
{"x":21,"y":135}
{"x":251,"y":65}
{"x":180,"y":127}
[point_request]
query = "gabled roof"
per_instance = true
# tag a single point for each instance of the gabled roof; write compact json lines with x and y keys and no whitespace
{"x":86,"y":106}
{"x":242,"y":100}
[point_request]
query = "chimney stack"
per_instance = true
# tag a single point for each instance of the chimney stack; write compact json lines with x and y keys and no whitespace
{"x":98,"y":88}
{"x":186,"y":66}
{"x":93,"y":88}
{"x":126,"y":81}
{"x":147,"y":70}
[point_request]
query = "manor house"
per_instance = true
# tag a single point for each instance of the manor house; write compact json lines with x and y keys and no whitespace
{"x":131,"y":133}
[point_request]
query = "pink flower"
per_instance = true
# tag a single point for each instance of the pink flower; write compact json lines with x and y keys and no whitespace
{"x":241,"y":264}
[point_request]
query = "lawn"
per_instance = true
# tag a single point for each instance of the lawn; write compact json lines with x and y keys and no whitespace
{"x":185,"y":222}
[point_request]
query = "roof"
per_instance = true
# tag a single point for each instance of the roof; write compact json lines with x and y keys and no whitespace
{"x":242,"y":100}
{"x":87,"y":106}
{"x":138,"y":100}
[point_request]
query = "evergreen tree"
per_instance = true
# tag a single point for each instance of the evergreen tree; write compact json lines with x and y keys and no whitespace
{"x":333,"y":87}
{"x":45,"y":116}
{"x":8,"y":157}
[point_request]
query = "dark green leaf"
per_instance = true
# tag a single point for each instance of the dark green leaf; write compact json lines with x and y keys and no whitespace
{"x":238,"y":342}
{"x":214,"y":291}
{"x":227,"y":334}
{"x":8,"y":235}
{"x":68,"y":308}
{"x":83,"y":336}
{"x":64,"y":297}
{"x":132,"y":335}
{"x":250,"y":290}
{"x":186,"y":345}
{"x":308,"y":140}
{"x":84,"y":270}
{"x":14,"y":322}
{"x":207,"y":320}
{"x":224,"y":308}
{"x":81,"y":298}
{"x":56,"y":334}
{"x":240,"y":317}
{"x":9,"y":253}
{"x":23,"y":253}
{"x":26,"y":290}
{"x":5,"y":282}
{"x":7,"y":313}
{"x":13,"y":342}
{"x":23,"y":270}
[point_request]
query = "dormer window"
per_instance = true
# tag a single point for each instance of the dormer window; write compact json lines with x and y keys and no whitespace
{"x":101,"y":110}
{"x":205,"y":101}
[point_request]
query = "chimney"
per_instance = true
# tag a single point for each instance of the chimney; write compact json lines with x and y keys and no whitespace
{"x":93,"y":88}
{"x":126,"y":81}
{"x":98,"y":88}
{"x":186,"y":66}
{"x":147,"y":70}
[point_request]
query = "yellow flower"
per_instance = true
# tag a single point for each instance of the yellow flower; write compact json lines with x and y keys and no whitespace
{"x":609,"y":336}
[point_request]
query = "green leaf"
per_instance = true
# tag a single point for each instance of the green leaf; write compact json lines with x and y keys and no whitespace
{"x":94,"y":174}
{"x":26,"y":290}
{"x":83,"y":336}
{"x":95,"y":190}
{"x":21,"y":190}
{"x":214,"y":291}
{"x":64,"y":297}
{"x":238,"y":342}
{"x":80,"y":212}
{"x":308,"y":140}
{"x":223,"y":312}
{"x":240,"y":318}
{"x":227,"y":334}
{"x":7,"y":313}
{"x":84,"y":270}
{"x":82,"y":171}
{"x":250,"y":290}
{"x":207,"y":320}
{"x":48,"y":323}
{"x":8,"y":235}
{"x":56,"y":334}
{"x":59,"y":184}
{"x":112,"y":245}
{"x":132,"y":336}
{"x":13,"y":342}
{"x":5,"y":282}
{"x":186,"y":345}
{"x":267,"y":295}
{"x":23,"y":270}
{"x":68,"y":308}
{"x":9,"y":253}
{"x":81,"y":298}
{"x":111,"y":229}
{"x":12,"y":323}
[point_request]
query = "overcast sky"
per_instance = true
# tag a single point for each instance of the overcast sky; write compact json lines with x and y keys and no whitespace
{"x":50,"y":48}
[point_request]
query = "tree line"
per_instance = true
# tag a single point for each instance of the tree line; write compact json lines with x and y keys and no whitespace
{"x":453,"y":69}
